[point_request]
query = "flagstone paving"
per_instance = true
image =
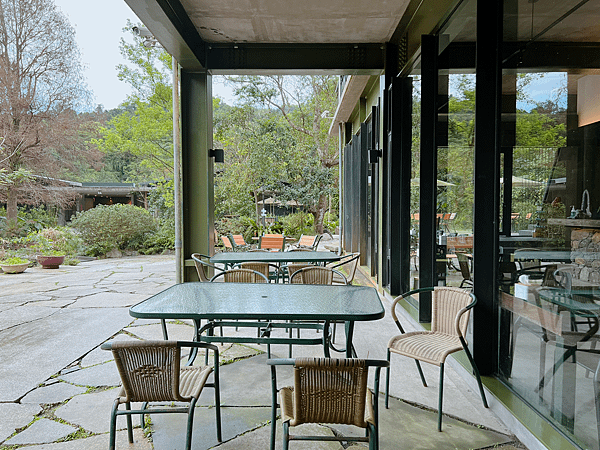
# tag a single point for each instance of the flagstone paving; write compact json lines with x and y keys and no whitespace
{"x":58,"y":386}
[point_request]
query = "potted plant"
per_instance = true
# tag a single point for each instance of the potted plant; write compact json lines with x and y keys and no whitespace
{"x":14,"y":264}
{"x":50,"y":244}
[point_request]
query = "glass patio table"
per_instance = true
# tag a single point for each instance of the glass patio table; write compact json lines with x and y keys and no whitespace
{"x":222,"y":304}
{"x":230,"y":258}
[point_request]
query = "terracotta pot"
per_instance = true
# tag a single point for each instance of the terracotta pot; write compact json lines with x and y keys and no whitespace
{"x":50,"y":262}
{"x":14,"y":268}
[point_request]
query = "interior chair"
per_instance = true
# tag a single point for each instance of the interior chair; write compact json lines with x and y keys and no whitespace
{"x":328,"y":390}
{"x":287,"y":269}
{"x":241,"y":276}
{"x":465,"y":270}
{"x":272,"y":242}
{"x":450,"y":309}
{"x":150,"y":371}
{"x":239,"y":243}
{"x":348,"y":263}
{"x":227,"y":243}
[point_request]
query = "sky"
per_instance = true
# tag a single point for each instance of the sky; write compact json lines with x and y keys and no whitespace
{"x":99,"y":29}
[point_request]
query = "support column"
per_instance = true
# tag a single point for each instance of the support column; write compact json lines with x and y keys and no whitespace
{"x":198,"y":169}
{"x":487,"y":156}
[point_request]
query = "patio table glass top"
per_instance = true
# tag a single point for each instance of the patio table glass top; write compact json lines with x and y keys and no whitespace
{"x":274,"y":257}
{"x":196,"y":300}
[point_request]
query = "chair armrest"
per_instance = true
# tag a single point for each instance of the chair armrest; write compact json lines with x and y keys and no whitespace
{"x":400,"y":297}
{"x":460,"y":314}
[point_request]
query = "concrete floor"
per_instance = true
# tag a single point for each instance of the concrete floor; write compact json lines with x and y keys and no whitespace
{"x":58,"y":386}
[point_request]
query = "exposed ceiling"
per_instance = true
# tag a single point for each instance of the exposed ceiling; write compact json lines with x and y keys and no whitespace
{"x":295,"y":21}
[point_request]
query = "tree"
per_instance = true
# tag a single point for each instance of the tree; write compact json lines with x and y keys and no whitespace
{"x":304,"y":102}
{"x":139,"y":140}
{"x":41,"y":87}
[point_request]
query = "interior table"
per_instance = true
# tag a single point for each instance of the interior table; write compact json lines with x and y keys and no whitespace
{"x":223,"y":304}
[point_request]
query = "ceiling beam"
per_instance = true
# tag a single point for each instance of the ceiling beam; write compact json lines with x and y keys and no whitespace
{"x":355,"y":59}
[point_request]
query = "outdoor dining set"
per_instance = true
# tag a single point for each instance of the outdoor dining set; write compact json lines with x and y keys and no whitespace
{"x":291,"y":296}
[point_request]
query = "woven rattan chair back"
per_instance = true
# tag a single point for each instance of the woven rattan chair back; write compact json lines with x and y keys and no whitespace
{"x":257,"y":267}
{"x":241,"y":276}
{"x":149,"y":370}
{"x":446,"y":303}
{"x":315,"y":275}
{"x":343,"y":380}
{"x":201,"y":266}
{"x":348,"y":265}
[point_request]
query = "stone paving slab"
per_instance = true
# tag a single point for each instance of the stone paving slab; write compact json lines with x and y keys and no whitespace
{"x":105,"y":374}
{"x":109,"y":300}
{"x":42,"y":431}
{"x":99,"y":356}
{"x":15,"y":416}
{"x":92,"y":411}
{"x":24,"y":313}
{"x":28,"y":361}
{"x":100,"y":442}
{"x":176,"y":331}
{"x":56,"y":392}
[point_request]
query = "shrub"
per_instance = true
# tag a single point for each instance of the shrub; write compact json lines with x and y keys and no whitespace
{"x":55,"y":241}
{"x":106,"y":227}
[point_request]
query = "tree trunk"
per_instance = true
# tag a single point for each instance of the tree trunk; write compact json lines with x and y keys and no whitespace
{"x":11,"y":208}
{"x":319,"y":214}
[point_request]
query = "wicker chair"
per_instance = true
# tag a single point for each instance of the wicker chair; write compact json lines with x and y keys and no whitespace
{"x":316,"y":275}
{"x":241,"y":276}
{"x":202,"y":265}
{"x":328,"y":390}
{"x":450,"y":308}
{"x":150,"y":372}
{"x":271,"y":271}
{"x":348,"y":263}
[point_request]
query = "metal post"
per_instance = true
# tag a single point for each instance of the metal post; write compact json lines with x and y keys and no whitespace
{"x":179,"y":264}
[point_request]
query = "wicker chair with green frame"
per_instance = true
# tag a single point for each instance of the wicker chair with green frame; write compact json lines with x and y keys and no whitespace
{"x":150,"y":372}
{"x":450,"y":309}
{"x":328,"y":390}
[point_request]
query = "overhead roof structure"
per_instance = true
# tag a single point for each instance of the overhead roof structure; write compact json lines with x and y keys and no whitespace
{"x":286,"y":36}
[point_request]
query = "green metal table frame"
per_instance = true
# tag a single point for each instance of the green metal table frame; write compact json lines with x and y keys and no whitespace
{"x":264,"y":307}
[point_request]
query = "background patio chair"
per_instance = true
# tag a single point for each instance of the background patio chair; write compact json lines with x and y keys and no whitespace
{"x":307,"y":242}
{"x":328,"y":390}
{"x":347,"y":264}
{"x":450,"y":309}
{"x":227,"y":243}
{"x":150,"y":372}
{"x":273,"y":242}
{"x":239,"y":243}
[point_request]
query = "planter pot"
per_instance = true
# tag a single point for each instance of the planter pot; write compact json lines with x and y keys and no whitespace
{"x":50,"y":262}
{"x":14,"y":268}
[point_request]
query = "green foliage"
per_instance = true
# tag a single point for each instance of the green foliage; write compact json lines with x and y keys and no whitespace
{"x":55,"y":241}
{"x":298,"y":223}
{"x":107,"y":227}
{"x":27,"y":221}
{"x":14,"y":260}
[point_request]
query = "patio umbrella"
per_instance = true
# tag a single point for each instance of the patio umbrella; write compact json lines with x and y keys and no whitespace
{"x":523,"y":182}
{"x":417,"y":181}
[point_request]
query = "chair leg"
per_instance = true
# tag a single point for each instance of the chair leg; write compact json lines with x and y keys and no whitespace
{"x":142,"y":421}
{"x":476,"y":371}
{"x":441,"y":397}
{"x":129,"y":424}
{"x":421,"y":372}
{"x":113,"y":425}
{"x":286,"y":436}
{"x":387,"y":380}
{"x":190,"y":424}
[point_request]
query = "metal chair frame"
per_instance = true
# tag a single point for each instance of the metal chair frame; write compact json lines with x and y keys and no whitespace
{"x":158,"y":395}
{"x":323,"y":409}
{"x":440,"y":337}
